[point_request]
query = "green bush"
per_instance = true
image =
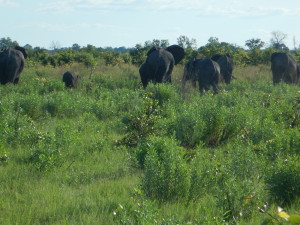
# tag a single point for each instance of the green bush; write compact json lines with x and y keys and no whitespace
{"x":142,"y":122}
{"x":188,"y":127}
{"x":166,"y":174}
{"x":238,"y":188}
{"x":3,"y":156}
{"x":30,"y":105}
{"x":283,"y":181}
{"x":163,"y":93}
{"x":205,"y":171}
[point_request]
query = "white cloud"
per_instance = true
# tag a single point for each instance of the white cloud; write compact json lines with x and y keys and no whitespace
{"x":233,"y":8}
{"x":9,"y":3}
{"x":66,"y":6}
{"x":61,"y":27}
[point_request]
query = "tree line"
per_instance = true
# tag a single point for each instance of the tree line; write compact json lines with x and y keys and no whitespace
{"x":255,"y":53}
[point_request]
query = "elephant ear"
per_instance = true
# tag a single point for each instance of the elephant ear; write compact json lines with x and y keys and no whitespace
{"x":177,"y":52}
{"x":154,"y":48}
{"x":22,"y":50}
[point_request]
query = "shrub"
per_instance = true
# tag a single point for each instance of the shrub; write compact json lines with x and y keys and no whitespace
{"x":30,"y":105}
{"x":47,"y":153}
{"x":45,"y":159}
{"x":189,"y":128}
{"x":166,"y":175}
{"x":205,"y":171}
{"x":238,"y":188}
{"x":141,"y":124}
{"x":3,"y":156}
{"x":283,"y":181}
{"x":163,"y":93}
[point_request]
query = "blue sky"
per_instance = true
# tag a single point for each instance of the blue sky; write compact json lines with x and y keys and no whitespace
{"x":116,"y":23}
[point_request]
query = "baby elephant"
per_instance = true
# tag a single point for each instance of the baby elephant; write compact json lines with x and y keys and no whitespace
{"x":70,"y":79}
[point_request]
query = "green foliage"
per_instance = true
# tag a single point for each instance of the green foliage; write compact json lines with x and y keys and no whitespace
{"x":142,"y":123}
{"x":142,"y":212}
{"x":163,"y":93}
{"x":166,"y":175}
{"x":47,"y":154}
{"x":4,"y":156}
{"x":138,"y":54}
{"x":209,"y":159}
{"x":284,"y":181}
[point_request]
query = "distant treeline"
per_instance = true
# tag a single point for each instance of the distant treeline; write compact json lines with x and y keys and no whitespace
{"x":255,"y":54}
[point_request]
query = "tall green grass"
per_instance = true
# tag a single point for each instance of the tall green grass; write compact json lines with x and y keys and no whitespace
{"x":111,"y":152}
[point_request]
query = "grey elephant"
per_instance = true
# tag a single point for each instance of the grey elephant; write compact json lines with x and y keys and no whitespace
{"x":226,"y":66}
{"x":205,"y":71}
{"x":284,"y":68}
{"x":159,"y":64}
{"x":70,"y":79}
{"x":12,"y":62}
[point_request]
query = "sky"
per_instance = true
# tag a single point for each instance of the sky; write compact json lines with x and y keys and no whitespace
{"x":117,"y":23}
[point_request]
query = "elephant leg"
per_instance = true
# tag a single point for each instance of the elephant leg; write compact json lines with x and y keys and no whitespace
{"x":160,"y":75}
{"x":287,"y":78}
{"x":201,"y":88}
{"x":215,"y":88}
{"x":16,"y":81}
{"x":169,"y":72}
{"x":194,"y":83}
{"x":144,"y":80}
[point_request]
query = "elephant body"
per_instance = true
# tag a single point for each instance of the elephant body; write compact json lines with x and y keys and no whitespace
{"x":159,"y":64}
{"x":226,"y":66}
{"x":12,"y":62}
{"x":284,"y":68}
{"x":206,"y":71}
{"x":70,"y":79}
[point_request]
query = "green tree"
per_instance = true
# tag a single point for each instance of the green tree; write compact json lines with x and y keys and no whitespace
{"x":138,"y":55}
{"x":255,"y":53}
{"x":7,"y":43}
{"x":254,"y":44}
{"x":277,"y":40}
{"x":76,"y":47}
{"x":186,"y":42}
{"x":156,"y":42}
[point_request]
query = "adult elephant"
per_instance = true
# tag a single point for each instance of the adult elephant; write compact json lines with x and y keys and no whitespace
{"x":159,"y":64}
{"x":284,"y":68}
{"x":226,"y":66}
{"x":70,"y":79}
{"x":206,"y":71}
{"x":12,"y":62}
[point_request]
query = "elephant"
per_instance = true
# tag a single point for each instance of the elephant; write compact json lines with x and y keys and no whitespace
{"x":159,"y":64}
{"x":226,"y":66}
{"x":284,"y":68}
{"x":206,"y":71}
{"x":12,"y":62}
{"x":70,"y":79}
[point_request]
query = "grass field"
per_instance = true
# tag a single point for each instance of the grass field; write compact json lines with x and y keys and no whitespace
{"x":110,"y":152}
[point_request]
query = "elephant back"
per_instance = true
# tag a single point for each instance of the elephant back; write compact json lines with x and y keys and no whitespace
{"x":216,"y":57}
{"x":177,"y":52}
{"x":279,"y":60}
{"x":154,"y":48}
{"x":70,"y":79}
